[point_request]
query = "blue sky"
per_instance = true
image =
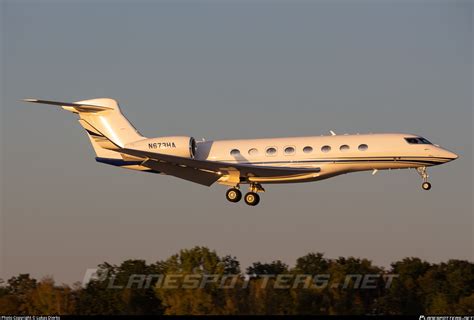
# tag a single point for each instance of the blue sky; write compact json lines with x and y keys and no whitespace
{"x":232,"y":69}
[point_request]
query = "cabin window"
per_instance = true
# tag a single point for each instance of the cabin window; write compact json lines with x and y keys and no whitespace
{"x":234,"y":152}
{"x":326,"y":149}
{"x":289,"y":150}
{"x":344,"y":147}
{"x":271,"y":151}
{"x":363,"y":147}
{"x":253,"y":152}
{"x":307,"y":149}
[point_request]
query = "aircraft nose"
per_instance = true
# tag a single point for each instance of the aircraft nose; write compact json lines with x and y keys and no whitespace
{"x":451,"y":155}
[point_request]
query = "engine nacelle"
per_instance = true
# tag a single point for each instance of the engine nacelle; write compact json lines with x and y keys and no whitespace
{"x":176,"y":146}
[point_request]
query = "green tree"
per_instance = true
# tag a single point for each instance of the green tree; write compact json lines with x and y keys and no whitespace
{"x":275,"y":267}
{"x":17,"y":293}
{"x":444,"y":284}
{"x":263,"y":295}
{"x":9,"y":304}
{"x":312,"y":300}
{"x":405,"y":295}
{"x":135,"y":287}
{"x":209,"y":299}
{"x":465,"y":305}
{"x":47,"y":298}
{"x":346,"y":294}
{"x":115,"y":294}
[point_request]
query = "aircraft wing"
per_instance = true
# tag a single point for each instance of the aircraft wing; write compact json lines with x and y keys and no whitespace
{"x":205,"y":178}
{"x":207,"y":172}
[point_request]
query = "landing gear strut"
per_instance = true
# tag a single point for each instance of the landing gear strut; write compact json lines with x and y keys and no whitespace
{"x":422,"y":172}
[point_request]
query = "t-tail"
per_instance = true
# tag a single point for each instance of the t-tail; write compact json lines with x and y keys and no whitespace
{"x":106,"y":126}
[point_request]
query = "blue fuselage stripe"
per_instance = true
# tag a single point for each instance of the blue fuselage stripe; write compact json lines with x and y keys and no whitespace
{"x":417,"y":160}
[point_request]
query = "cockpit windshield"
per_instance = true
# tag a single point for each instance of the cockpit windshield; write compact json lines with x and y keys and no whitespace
{"x":417,"y":140}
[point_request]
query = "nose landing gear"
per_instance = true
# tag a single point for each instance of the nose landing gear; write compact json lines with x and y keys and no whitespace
{"x":422,"y":172}
{"x":426,"y":185}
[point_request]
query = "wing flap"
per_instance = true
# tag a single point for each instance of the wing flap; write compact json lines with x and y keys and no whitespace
{"x":186,"y":173}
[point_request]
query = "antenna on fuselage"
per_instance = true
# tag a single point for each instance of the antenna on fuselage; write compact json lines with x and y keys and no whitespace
{"x":332,"y":133}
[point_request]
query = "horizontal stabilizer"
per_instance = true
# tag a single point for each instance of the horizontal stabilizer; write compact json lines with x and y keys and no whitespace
{"x":78,"y":106}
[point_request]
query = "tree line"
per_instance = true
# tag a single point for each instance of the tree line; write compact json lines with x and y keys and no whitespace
{"x":137,"y":288}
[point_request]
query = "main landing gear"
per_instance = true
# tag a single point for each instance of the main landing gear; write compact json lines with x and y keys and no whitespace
{"x":422,"y":172}
{"x":251,"y":198}
{"x":233,"y":195}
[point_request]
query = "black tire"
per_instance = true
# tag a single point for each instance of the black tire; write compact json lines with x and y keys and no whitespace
{"x":233,"y":195}
{"x":252,"y":199}
{"x":426,"y":186}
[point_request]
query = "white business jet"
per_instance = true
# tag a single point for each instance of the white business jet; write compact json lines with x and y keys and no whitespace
{"x":251,"y":161}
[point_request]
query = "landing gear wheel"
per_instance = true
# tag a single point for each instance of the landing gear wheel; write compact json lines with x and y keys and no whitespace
{"x":426,"y":185}
{"x":233,"y":195}
{"x":252,"y":199}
